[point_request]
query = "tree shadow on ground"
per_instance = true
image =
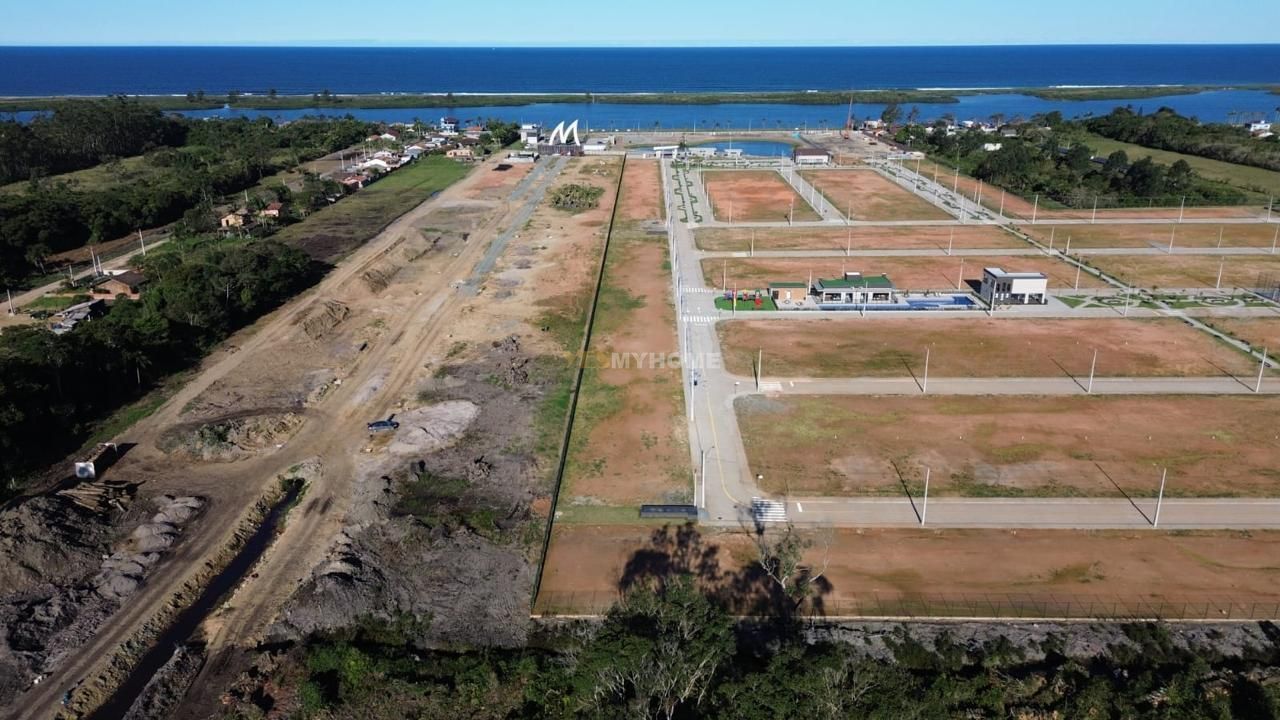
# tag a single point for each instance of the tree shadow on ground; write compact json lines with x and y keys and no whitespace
{"x":682,"y":550}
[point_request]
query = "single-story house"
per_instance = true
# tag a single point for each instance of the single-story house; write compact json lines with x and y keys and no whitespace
{"x":992,"y":147}
{"x":354,"y":182}
{"x":792,"y":291}
{"x":856,"y":289}
{"x":128,"y":283}
{"x":461,"y":153}
{"x":76,"y":314}
{"x":811,"y":156}
{"x":376,"y":164}
{"x":238,"y":218}
{"x":1014,"y":288}
{"x":272,"y":210}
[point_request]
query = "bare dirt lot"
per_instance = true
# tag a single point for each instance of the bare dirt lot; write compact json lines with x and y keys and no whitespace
{"x":925,"y":237}
{"x":1038,"y":446}
{"x":959,"y":572}
{"x":1186,"y":271}
{"x":628,"y":444}
{"x":892,"y":347}
{"x":642,"y":192}
{"x":494,"y":183}
{"x":907,"y":273}
{"x":871,"y":196}
{"x":755,"y":196}
{"x":1156,"y":236}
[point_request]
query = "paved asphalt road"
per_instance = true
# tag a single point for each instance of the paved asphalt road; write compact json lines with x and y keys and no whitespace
{"x":725,"y":486}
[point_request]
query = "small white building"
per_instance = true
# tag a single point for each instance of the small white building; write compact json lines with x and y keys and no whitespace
{"x":1014,"y":288}
{"x":811,"y":156}
{"x":702,"y":152}
{"x":448,"y":125}
{"x":523,"y":157}
{"x":666,"y":151}
{"x":992,"y":147}
{"x":597,"y":146}
{"x":733,"y":152}
{"x":530,"y":134}
{"x":855,"y":289}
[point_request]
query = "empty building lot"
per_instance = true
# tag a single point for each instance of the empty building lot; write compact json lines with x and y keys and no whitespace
{"x":1187,"y":235}
{"x":754,"y":196}
{"x":1263,"y":332}
{"x":978,"y":347}
{"x":923,"y":237}
{"x":931,"y":572}
{"x":1186,"y":271}
{"x":1064,"y":446}
{"x":907,"y":273}
{"x":867,"y":195}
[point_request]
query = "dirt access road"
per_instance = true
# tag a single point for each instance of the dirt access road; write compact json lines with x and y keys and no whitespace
{"x":331,"y":434}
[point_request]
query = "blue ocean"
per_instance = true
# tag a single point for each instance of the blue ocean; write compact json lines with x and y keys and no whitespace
{"x":34,"y":71}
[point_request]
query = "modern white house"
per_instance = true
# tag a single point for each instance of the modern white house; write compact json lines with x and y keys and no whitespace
{"x":598,"y":146}
{"x":811,"y":156}
{"x":1014,"y":288}
{"x":530,"y":134}
{"x":448,"y":125}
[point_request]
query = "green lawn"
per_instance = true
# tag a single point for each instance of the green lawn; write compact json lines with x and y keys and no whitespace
{"x":1265,"y":182}
{"x":333,"y":231}
{"x":723,"y":303}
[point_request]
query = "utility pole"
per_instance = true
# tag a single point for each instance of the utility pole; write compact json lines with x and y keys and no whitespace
{"x":848,"y":243}
{"x":1274,"y":238}
{"x":753,"y":242}
{"x":924,"y":508}
{"x":724,"y":276}
{"x":142,"y":242}
{"x":735,"y":299}
{"x":10,"y":296}
{"x":1182,"y":209}
{"x":960,"y":277}
{"x":1078,"y":266}
{"x":1262,"y":368}
{"x":924,"y":386}
{"x":951,"y":240}
{"x":1092,"y":366}
{"x":1172,"y":235}
{"x":1155,"y":522}
{"x":1053,"y":232}
{"x":1002,"y":192}
{"x":1219,"y":237}
{"x":1217,"y":285}
{"x":1035,"y":210}
{"x":1068,"y":250}
{"x":1094,"y":219}
{"x":791,"y":214}
{"x":1126,"y":301}
{"x":759,"y":367}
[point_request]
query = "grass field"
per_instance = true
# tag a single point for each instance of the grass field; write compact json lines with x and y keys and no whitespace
{"x":970,"y":573}
{"x":924,"y":237}
{"x":894,"y":347}
{"x":754,"y":196}
{"x":907,"y":273}
{"x":1200,"y":235}
{"x":628,"y":444}
{"x":1264,"y":183}
{"x":868,"y":195}
{"x":1186,"y":271}
{"x":334,"y":231}
{"x":1259,"y":332}
{"x":1026,"y":446}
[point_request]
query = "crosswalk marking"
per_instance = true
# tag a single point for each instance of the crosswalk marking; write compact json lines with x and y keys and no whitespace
{"x":700,"y":318}
{"x":768,"y":510}
{"x":771,"y":387}
{"x":700,"y":291}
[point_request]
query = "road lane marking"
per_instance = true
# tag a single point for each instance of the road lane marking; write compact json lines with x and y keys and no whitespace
{"x":715,"y":440}
{"x":799,"y":507}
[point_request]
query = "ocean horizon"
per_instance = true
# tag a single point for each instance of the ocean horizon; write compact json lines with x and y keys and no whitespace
{"x":176,"y":70}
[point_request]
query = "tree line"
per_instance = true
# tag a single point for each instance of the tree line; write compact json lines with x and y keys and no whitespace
{"x":187,"y":164}
{"x":1047,"y":158}
{"x":668,"y":651}
{"x":1165,"y":129}
{"x":54,"y":388}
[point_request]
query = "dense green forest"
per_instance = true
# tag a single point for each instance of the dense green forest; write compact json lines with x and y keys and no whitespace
{"x":187,"y":164}
{"x":54,"y":388}
{"x":666,"y":651}
{"x":1048,"y":159}
{"x":1165,"y":129}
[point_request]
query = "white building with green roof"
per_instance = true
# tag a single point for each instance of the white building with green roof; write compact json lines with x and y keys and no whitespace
{"x":855,"y":289}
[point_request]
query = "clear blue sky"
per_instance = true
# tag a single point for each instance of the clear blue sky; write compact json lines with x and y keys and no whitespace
{"x":633,"y":22}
